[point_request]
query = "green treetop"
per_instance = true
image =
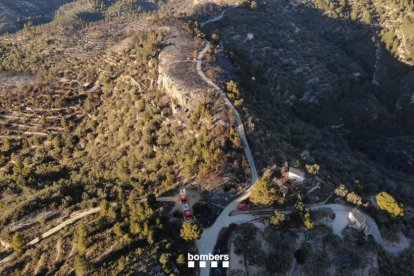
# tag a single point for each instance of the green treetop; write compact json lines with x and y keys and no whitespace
{"x":18,"y":243}
{"x":277,"y":218}
{"x":264,"y":193}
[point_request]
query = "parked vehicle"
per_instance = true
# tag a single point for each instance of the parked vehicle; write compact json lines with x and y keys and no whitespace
{"x":243,"y":207}
{"x":183,"y":195}
{"x":187,"y":213}
{"x":183,"y":198}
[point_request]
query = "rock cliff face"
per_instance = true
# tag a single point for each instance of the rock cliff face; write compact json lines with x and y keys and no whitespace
{"x":177,"y":70}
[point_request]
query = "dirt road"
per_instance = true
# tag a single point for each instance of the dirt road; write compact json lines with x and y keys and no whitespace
{"x":68,"y":222}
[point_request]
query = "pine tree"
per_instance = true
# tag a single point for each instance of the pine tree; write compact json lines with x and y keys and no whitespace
{"x":18,"y":243}
{"x":277,"y":218}
{"x":190,"y":231}
{"x":81,"y":265}
{"x":164,"y":258}
{"x":6,"y":144}
{"x":341,"y":190}
{"x":180,"y":259}
{"x":81,"y":237}
{"x":264,"y":193}
{"x":354,"y":198}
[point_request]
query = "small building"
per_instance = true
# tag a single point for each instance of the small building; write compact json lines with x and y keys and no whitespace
{"x":296,"y":175}
{"x":357,"y":218}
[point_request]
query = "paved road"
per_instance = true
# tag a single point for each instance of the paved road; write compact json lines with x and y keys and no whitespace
{"x":209,"y":236}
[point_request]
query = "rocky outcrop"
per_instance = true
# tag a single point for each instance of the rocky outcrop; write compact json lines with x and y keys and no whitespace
{"x":5,"y":244}
{"x":177,"y":70}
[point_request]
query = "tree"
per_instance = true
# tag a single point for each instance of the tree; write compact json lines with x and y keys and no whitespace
{"x":341,"y":190}
{"x":304,"y":213}
{"x":277,"y":218}
{"x":164,"y":258}
{"x":215,"y":37}
{"x":354,"y":13}
{"x":232,"y":87}
{"x":387,"y":203}
{"x":103,"y":212}
{"x":367,"y":17}
{"x":245,"y":236}
{"x":152,"y":201}
{"x":81,"y":265}
{"x":264,"y":193}
{"x":354,"y":198}
{"x":300,"y":255}
{"x":18,"y":272}
{"x":313,"y":169}
{"x":81,"y":237}
{"x":253,"y":5}
{"x":6,"y":144}
{"x":189,"y":167}
{"x":190,"y":231}
{"x":150,"y":237}
{"x":18,"y":243}
{"x":307,"y":221}
{"x":118,"y":230}
{"x":180,"y":260}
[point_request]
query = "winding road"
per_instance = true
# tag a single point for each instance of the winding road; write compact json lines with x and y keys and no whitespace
{"x":208,"y":239}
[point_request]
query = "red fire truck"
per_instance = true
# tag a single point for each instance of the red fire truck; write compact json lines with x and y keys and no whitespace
{"x":183,"y":196}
